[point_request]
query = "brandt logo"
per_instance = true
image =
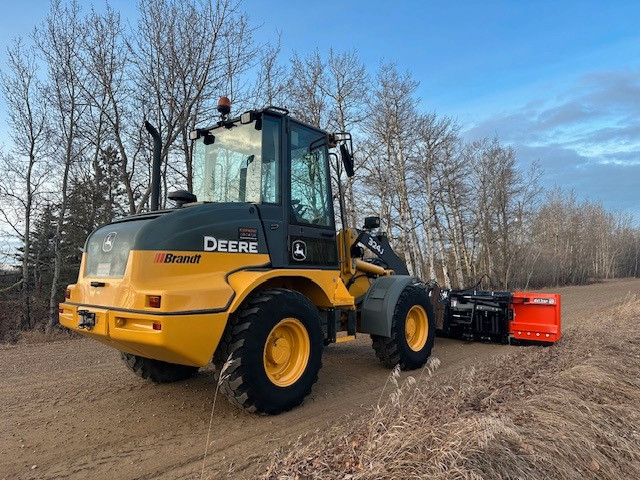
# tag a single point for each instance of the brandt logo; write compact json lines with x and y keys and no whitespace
{"x":109,"y":240}
{"x":171,"y":258}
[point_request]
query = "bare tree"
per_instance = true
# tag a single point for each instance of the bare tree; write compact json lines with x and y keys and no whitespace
{"x":345,"y":86}
{"x":109,"y":91}
{"x":308,"y":101}
{"x":59,"y":43}
{"x":271,"y":82}
{"x":437,"y":138}
{"x":27,"y":119}
{"x":183,"y":52}
{"x":391,"y":122}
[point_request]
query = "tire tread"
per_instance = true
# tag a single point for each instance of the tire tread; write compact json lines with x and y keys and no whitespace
{"x":232,"y":345}
{"x":156,"y":370}
{"x":387,"y":349}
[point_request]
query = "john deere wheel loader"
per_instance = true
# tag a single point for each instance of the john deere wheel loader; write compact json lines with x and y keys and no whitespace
{"x":248,"y":270}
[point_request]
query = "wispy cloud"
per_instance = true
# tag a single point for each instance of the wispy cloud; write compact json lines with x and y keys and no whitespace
{"x":586,"y":138}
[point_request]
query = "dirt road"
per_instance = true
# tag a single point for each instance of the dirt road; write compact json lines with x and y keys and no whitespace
{"x":70,"y":409}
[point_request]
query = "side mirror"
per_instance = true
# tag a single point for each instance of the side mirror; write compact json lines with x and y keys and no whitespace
{"x":347,"y":160}
{"x":371,"y":222}
{"x":180,"y":197}
{"x":208,"y":139}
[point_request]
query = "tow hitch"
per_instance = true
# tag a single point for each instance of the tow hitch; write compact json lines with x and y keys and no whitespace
{"x":87,"y":319}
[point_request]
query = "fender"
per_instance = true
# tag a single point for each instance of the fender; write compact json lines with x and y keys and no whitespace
{"x":323,"y":287}
{"x":380,"y":302}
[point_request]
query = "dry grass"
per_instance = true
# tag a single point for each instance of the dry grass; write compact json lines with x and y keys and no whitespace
{"x":31,"y":337}
{"x":571,"y":411}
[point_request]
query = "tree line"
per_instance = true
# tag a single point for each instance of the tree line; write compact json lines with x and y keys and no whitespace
{"x":79,"y":86}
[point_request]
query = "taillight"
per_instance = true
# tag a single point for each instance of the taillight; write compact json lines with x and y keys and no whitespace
{"x":67,"y":293}
{"x":157,"y":326}
{"x":154,"y":301}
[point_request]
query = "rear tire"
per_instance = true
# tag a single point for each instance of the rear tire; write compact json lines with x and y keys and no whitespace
{"x":412,"y":321}
{"x":157,"y":370}
{"x":272,"y":348}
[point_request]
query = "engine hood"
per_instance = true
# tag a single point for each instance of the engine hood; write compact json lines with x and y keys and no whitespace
{"x":221,"y":227}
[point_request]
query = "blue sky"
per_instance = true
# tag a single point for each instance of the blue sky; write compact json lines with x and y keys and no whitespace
{"x":560,"y":81}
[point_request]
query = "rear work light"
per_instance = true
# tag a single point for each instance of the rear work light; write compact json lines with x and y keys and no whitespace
{"x":154,"y":301}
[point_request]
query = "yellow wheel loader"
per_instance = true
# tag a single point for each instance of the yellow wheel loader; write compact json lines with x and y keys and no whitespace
{"x":247,"y":270}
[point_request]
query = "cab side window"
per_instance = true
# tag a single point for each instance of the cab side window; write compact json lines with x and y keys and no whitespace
{"x":310,"y":192}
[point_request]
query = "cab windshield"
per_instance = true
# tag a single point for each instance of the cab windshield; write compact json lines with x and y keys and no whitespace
{"x":241,"y":165}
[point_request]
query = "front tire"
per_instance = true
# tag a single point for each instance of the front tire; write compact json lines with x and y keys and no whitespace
{"x":156,"y":370}
{"x":271,"y":352}
{"x":412,"y":331}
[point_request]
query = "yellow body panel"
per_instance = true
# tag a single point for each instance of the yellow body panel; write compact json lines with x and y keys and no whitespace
{"x":346,"y":239}
{"x":360,"y":286}
{"x":196,"y":300}
{"x":353,"y":270}
{"x":324,"y":287}
{"x":184,"y":339}
{"x":182,"y":286}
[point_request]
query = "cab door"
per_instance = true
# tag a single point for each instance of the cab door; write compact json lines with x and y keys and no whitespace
{"x":311,"y":233}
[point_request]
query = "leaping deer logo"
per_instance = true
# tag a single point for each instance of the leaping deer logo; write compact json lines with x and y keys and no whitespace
{"x":299,"y":250}
{"x":109,"y":240}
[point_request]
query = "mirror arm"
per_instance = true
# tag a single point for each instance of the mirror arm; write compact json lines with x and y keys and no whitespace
{"x":341,"y":201}
{"x":316,"y":143}
{"x":340,"y":193}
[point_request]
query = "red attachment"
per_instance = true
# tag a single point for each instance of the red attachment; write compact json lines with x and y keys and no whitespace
{"x":536,"y":317}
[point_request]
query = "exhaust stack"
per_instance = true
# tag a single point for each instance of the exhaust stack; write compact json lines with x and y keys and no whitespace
{"x":155,"y":165}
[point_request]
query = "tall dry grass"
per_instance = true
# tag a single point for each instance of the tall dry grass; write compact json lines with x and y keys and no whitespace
{"x":571,"y":411}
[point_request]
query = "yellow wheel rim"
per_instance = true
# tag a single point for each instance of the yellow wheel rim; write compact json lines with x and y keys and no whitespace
{"x":286,"y":352}
{"x":416,"y":328}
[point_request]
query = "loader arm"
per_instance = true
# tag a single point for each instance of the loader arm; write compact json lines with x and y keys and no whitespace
{"x":380,"y":246}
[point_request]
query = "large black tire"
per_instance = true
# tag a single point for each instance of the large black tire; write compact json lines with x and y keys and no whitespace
{"x":395,"y":350}
{"x":245,"y":381}
{"x":156,"y":370}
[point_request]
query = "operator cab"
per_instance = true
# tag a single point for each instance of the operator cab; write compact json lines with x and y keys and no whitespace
{"x":281,"y":166}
